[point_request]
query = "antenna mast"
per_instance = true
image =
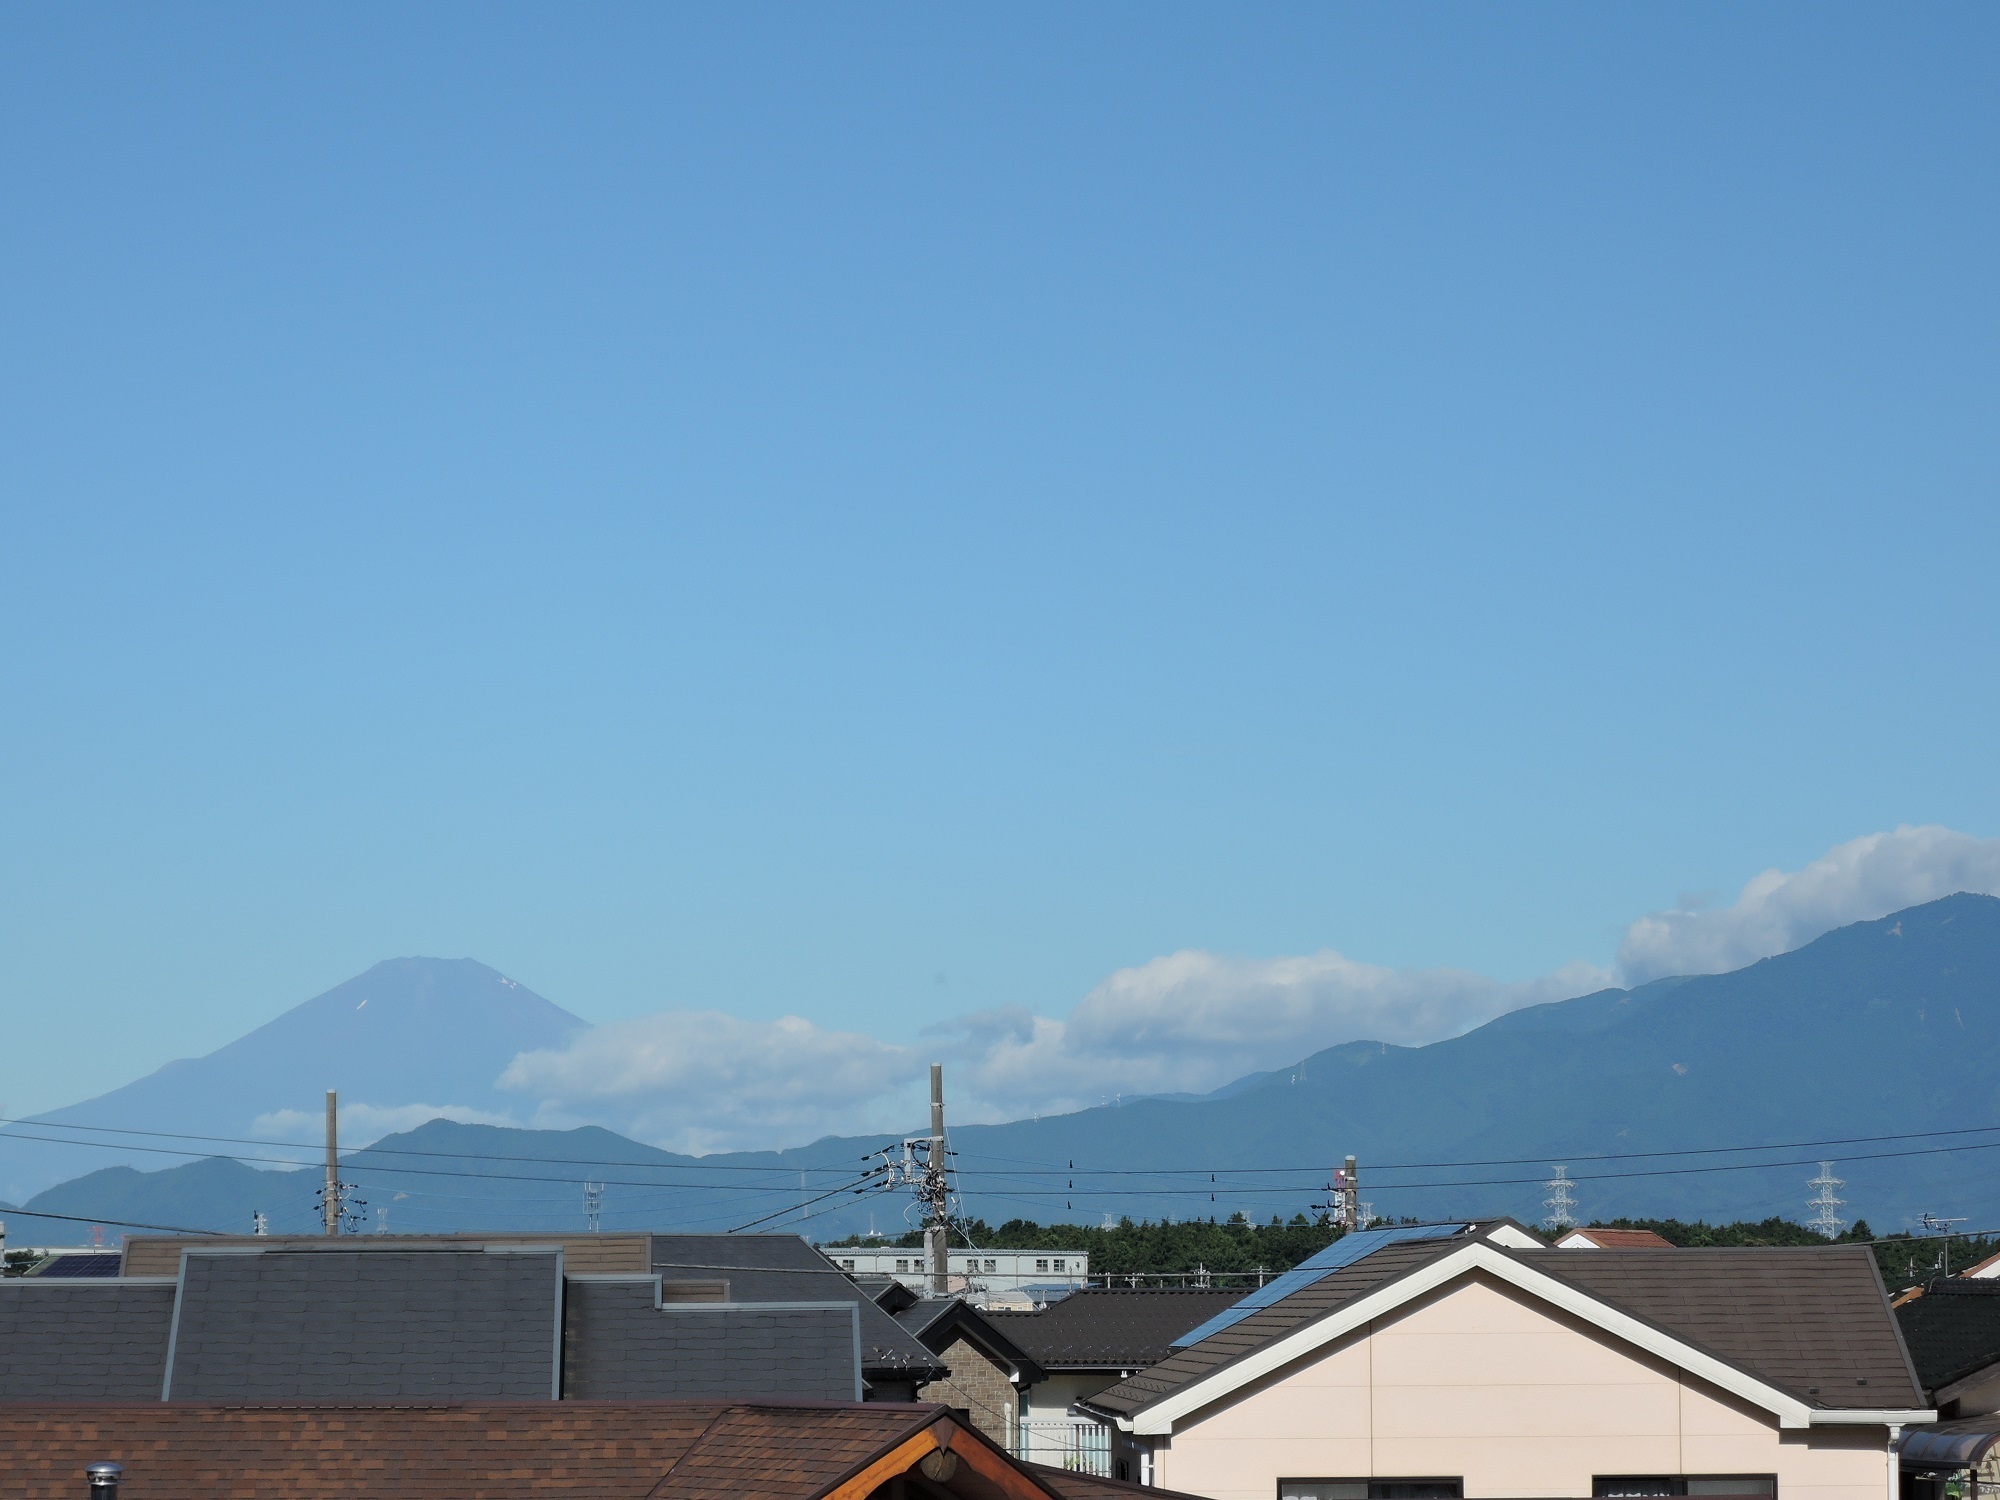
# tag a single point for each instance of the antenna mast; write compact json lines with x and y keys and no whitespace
{"x":1826,"y":1217}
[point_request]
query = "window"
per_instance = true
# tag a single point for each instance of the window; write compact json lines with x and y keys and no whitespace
{"x":1370,"y":1489}
{"x":990,"y":1266}
{"x":1647,"y":1486}
{"x":847,"y":1265}
{"x":902,"y":1265}
{"x":1041,"y":1265}
{"x":1062,"y":1265}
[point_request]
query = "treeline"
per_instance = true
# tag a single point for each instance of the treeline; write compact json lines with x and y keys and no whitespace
{"x":1238,"y":1249}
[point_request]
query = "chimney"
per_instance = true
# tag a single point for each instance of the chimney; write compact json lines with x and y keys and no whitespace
{"x":104,"y":1479}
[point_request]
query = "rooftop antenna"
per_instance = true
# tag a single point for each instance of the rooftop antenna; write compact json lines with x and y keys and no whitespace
{"x":1561,"y":1201}
{"x":593,"y":1206}
{"x":1826,"y":1219}
{"x":1938,"y":1225}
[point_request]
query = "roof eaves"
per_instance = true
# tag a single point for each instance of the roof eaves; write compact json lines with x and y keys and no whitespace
{"x":1158,"y":1414}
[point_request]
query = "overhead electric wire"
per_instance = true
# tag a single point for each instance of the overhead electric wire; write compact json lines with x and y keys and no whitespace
{"x":320,"y":1146}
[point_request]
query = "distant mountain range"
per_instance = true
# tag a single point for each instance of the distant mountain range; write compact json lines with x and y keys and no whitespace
{"x":1881,"y":1029}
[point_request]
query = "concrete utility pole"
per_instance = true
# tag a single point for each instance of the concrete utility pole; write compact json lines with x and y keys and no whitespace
{"x":1350,"y":1206}
{"x":936,"y":1198}
{"x":330,"y":1210}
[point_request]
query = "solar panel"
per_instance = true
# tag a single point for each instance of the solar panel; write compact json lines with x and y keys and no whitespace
{"x":1343,"y":1252}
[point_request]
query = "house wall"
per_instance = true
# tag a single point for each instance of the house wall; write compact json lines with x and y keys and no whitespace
{"x":1050,"y":1399}
{"x":980,"y":1386}
{"x":1480,"y":1382}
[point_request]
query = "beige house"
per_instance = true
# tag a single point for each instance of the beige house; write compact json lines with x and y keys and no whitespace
{"x":1458,"y":1363}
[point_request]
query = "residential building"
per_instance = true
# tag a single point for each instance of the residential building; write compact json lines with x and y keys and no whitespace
{"x":1593,"y":1238}
{"x":990,"y":1375}
{"x":969,"y":1271}
{"x":1468,"y":1362}
{"x":465,"y":1318}
{"x":1086,"y":1343}
{"x":598,"y":1450}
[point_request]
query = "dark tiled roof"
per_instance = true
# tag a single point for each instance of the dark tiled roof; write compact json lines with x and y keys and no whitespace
{"x":762,"y":1453}
{"x":83,"y":1340}
{"x":1302,"y":1307}
{"x":1110,"y":1328}
{"x":940,"y":1322}
{"x":366,"y":1325}
{"x":586,"y":1450}
{"x":62,"y":1266}
{"x":1072,"y":1485}
{"x":619,"y":1346}
{"x":784,"y":1268}
{"x":1952,"y":1330}
{"x":1811,"y":1320}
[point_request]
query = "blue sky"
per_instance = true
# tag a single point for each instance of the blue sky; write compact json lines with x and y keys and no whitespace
{"x":884,"y":513}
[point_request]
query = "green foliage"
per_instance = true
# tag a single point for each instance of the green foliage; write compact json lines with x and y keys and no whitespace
{"x":1237,"y":1249}
{"x":1166,"y":1248}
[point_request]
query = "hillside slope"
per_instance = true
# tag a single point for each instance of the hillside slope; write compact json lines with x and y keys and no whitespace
{"x":410,"y":1031}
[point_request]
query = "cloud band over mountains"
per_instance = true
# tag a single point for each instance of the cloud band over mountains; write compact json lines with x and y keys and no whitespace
{"x":1186,"y":1022}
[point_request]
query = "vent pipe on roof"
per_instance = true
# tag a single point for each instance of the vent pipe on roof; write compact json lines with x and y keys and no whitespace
{"x":104,"y":1479}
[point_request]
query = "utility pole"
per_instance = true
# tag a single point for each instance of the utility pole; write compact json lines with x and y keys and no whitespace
{"x":936,"y":1197}
{"x":1350,"y":1203}
{"x":330,"y":1209}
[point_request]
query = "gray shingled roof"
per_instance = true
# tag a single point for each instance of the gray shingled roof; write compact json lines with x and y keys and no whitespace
{"x":83,"y":1339}
{"x":1112,"y":1328}
{"x":366,"y":1325}
{"x":619,"y":1346}
{"x":785,"y":1268}
{"x":1812,"y":1321}
{"x":1953,"y":1329}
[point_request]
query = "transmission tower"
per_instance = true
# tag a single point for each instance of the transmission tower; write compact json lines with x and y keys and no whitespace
{"x":593,"y":1206}
{"x":1826,"y":1217}
{"x":1561,"y":1201}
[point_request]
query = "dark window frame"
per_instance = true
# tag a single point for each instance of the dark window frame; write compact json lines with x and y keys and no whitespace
{"x":1455,"y":1483}
{"x":1755,"y":1486}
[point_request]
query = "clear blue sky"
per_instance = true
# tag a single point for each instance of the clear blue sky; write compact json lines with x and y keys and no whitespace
{"x":877,"y":511}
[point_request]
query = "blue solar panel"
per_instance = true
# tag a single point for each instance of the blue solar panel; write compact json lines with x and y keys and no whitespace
{"x":1343,"y":1252}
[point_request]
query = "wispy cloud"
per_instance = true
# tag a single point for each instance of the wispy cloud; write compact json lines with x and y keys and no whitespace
{"x":364,"y":1124}
{"x":1778,"y":911}
{"x":1185,"y":1022}
{"x":702,"y":1080}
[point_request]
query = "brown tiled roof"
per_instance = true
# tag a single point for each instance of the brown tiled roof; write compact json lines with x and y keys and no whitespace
{"x":1111,"y":1328}
{"x":1622,"y":1239}
{"x":1812,"y":1321}
{"x":1260,"y":1327}
{"x":603,"y":1450}
{"x":1072,"y":1485}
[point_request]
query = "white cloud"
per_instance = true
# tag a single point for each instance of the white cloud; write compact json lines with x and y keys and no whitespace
{"x":1192,"y":1021}
{"x":704,"y":1081}
{"x":1778,"y":911}
{"x":364,"y":1124}
{"x":1187,"y":1022}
